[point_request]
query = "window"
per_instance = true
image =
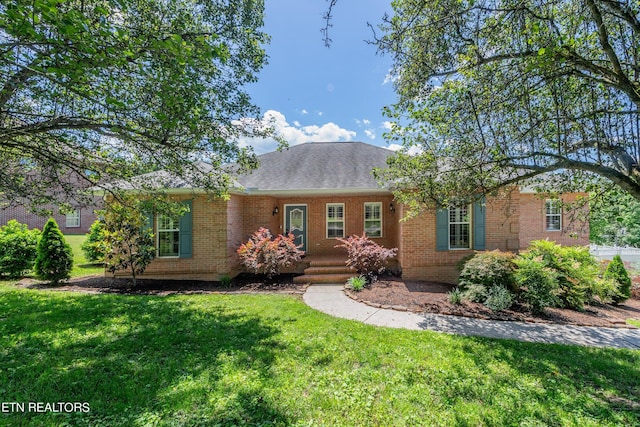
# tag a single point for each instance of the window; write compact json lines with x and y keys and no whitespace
{"x":460,"y":227}
{"x":168,"y":236}
{"x":335,"y":220}
{"x":72,"y":219}
{"x":553,"y":215}
{"x":373,"y":219}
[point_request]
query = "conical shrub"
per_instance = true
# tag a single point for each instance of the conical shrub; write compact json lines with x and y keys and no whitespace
{"x":55,"y":258}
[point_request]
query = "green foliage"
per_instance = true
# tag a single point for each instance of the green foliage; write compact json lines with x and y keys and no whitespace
{"x":489,"y":269}
{"x":614,"y":219}
{"x":55,"y":258}
{"x":365,"y":256}
{"x":499,"y":298}
{"x":94,"y":246}
{"x":18,"y":249}
{"x":618,"y":274}
{"x":128,"y":238}
{"x":576,"y":271}
{"x":263,"y":253}
{"x":538,"y":284}
{"x":493,"y":93}
{"x":486,"y":276}
{"x":225,"y":281}
{"x":455,"y":296}
{"x":357,"y":283}
{"x":165,"y":79}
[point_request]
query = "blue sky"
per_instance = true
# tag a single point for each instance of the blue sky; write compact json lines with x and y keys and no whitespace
{"x":314,"y":93}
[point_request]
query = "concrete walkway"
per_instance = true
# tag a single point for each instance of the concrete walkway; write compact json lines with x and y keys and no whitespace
{"x":332,"y":300}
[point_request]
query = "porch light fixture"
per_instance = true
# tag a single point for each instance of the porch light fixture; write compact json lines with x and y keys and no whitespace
{"x":392,"y":208}
{"x":275,"y":211}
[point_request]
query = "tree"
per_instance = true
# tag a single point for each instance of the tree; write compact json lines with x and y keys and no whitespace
{"x":496,"y":92}
{"x":55,"y":258}
{"x":615,"y":271}
{"x":98,"y":90}
{"x":128,"y":238}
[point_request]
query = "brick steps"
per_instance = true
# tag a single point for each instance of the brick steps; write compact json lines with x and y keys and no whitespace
{"x":325,"y":270}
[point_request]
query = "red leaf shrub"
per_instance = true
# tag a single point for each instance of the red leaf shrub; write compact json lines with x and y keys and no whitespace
{"x":264,"y":254}
{"x":366,"y":256}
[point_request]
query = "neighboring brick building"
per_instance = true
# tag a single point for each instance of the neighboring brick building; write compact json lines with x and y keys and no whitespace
{"x":321,"y":191}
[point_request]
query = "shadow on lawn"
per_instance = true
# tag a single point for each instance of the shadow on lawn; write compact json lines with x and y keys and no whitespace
{"x":136,"y":360}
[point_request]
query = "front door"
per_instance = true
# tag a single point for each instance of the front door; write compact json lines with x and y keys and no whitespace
{"x":295,"y":221}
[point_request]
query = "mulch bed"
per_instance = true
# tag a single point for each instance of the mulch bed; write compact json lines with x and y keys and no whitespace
{"x":432,"y":297}
{"x":245,"y":283}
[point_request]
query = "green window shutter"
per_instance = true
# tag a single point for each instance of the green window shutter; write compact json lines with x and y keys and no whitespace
{"x":149,"y":221}
{"x":442,"y":229}
{"x":479,"y":221}
{"x":186,"y":232}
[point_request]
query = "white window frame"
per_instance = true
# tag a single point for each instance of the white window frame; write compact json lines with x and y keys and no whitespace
{"x":550,"y":204}
{"x":329,"y":220}
{"x":72,"y":219}
{"x":469,"y":224}
{"x":176,"y":224}
{"x":370,"y":220}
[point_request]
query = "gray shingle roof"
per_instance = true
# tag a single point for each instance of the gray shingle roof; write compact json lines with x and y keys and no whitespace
{"x":318,"y":166}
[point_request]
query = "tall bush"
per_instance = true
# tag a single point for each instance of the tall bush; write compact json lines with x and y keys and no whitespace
{"x":577,"y":271}
{"x":618,"y":274}
{"x":129,"y":241}
{"x":263,"y":253}
{"x":18,"y":249}
{"x":365,"y":256}
{"x":538,"y":284}
{"x":94,"y":246}
{"x":55,"y":258}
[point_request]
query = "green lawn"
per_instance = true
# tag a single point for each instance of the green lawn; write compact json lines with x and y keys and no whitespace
{"x":81,"y":267}
{"x":208,"y":360}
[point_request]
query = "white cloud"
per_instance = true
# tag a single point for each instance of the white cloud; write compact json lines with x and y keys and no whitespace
{"x":371,"y":134}
{"x":295,"y":134}
{"x":320,"y":113}
{"x":387,"y":125}
{"x":304,"y":111}
{"x":366,"y":121}
{"x":413,"y":150}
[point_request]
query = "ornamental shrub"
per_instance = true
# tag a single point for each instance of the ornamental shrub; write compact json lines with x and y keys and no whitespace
{"x":55,"y":258}
{"x":263,"y":253}
{"x":538,"y":284}
{"x":499,"y":298}
{"x":576,"y":270}
{"x":617,"y":273}
{"x":489,"y":269}
{"x":18,"y":249}
{"x":365,"y":256}
{"x":94,"y":246}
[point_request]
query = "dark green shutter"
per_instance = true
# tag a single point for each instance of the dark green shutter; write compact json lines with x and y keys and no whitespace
{"x":186,"y":232}
{"x":479,"y":228}
{"x":149,"y":222}
{"x":442,"y":229}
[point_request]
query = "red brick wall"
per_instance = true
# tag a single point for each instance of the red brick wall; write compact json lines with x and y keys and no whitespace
{"x":210,"y":249}
{"x":512,"y":221}
{"x":575,"y":231}
{"x":24,"y":216}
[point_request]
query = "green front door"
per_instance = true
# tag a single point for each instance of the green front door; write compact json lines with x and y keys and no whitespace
{"x":295,"y":221}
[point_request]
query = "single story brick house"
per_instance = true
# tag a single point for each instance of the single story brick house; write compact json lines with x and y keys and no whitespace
{"x":321,"y":191}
